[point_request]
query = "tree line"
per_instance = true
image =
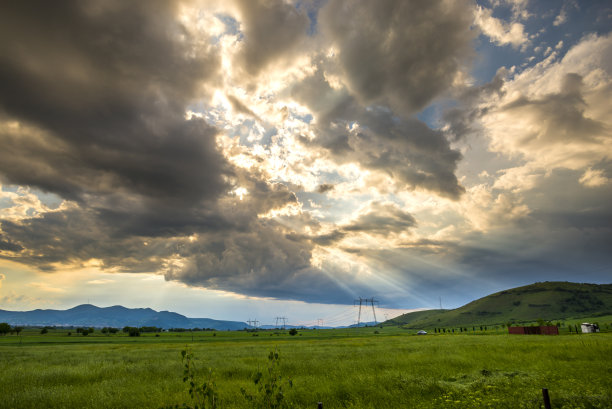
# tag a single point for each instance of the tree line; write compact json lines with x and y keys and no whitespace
{"x":5,"y":328}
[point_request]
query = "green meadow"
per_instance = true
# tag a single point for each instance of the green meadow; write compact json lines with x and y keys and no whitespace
{"x":342,"y":368}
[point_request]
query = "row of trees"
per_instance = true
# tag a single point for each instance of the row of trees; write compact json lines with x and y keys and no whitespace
{"x":5,"y":328}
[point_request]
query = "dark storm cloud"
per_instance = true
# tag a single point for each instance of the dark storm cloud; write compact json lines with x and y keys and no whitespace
{"x":100,"y":89}
{"x":413,"y":154}
{"x":402,"y":53}
{"x":272,"y":29}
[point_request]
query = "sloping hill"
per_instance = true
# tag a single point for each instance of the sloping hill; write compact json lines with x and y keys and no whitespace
{"x":115,"y":316}
{"x":547,"y":300}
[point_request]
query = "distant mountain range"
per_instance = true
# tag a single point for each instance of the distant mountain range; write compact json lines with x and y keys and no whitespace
{"x":554,"y":301}
{"x":87,"y":315}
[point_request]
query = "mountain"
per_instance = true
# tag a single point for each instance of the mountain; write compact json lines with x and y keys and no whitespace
{"x":548,"y":300}
{"x":117,"y":316}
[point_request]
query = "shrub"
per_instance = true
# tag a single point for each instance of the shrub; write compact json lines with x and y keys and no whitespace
{"x":5,"y":328}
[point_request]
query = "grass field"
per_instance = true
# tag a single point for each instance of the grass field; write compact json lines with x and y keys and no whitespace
{"x":353,"y":368}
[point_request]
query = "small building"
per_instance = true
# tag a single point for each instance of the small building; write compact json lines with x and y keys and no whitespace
{"x":588,"y":328}
{"x":541,"y":330}
{"x":421,"y":332}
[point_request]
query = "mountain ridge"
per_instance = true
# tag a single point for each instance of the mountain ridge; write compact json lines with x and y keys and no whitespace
{"x":113,"y":316}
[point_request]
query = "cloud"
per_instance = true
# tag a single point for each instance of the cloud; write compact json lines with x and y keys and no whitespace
{"x":325,"y":187}
{"x":395,"y":52}
{"x":381,"y":218}
{"x":98,"y":118}
{"x":541,"y":205}
{"x":498,"y":31}
{"x":414,"y":155}
{"x":272,"y":30}
{"x":594,"y":178}
{"x":562,"y":17}
{"x":554,"y":114}
{"x":2,"y":278}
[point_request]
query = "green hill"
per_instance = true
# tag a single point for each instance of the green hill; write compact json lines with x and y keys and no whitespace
{"x":551,"y":301}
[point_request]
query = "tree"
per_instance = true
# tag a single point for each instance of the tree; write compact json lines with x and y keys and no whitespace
{"x":293,"y":331}
{"x":5,"y":328}
{"x":44,"y":331}
{"x":17,"y":330}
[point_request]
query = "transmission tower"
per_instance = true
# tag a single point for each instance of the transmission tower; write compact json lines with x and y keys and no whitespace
{"x":320,"y":322}
{"x":283,"y":319}
{"x":253,"y":323}
{"x":366,"y":301}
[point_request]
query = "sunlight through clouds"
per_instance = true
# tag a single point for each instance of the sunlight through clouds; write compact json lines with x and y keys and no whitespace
{"x":279,"y":152}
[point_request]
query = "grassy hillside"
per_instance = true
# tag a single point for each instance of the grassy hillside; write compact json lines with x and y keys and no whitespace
{"x":549,"y":301}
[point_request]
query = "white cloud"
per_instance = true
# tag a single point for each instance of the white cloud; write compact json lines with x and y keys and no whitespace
{"x":561,"y":18}
{"x":557,"y":114}
{"x":499,"y":31}
{"x":485,"y":209}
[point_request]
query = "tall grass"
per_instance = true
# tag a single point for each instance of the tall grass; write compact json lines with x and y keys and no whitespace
{"x":341,"y":368}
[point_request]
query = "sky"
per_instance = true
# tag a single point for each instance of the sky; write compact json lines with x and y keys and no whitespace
{"x":244,"y":159}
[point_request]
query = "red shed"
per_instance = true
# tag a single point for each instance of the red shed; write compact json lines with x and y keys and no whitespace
{"x":543,"y":330}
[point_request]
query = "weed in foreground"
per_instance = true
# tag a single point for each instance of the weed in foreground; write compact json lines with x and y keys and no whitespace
{"x":203,"y":394}
{"x":270,"y":386}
